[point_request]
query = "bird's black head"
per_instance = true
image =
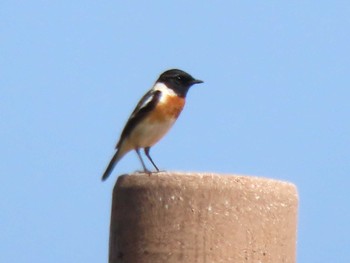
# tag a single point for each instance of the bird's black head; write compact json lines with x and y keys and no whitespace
{"x":178,"y":80}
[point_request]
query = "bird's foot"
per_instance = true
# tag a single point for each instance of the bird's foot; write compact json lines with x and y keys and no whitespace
{"x":149,"y":172}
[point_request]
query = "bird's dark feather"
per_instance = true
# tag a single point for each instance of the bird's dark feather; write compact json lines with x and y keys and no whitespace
{"x":145,"y":105}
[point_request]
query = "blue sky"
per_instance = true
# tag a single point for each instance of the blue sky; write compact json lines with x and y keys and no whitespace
{"x":275,"y":103}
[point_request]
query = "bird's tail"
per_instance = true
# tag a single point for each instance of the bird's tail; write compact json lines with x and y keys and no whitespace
{"x":117,"y":156}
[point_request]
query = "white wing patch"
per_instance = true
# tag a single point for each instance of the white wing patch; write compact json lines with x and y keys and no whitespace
{"x":145,"y":103}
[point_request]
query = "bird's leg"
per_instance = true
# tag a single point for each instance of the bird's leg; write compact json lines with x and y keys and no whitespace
{"x":143,"y":164}
{"x":149,"y":157}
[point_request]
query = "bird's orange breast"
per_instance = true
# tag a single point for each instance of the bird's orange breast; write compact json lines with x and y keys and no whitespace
{"x":168,"y":108}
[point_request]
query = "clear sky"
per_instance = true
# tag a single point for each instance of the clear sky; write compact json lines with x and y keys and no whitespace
{"x":275,"y":103}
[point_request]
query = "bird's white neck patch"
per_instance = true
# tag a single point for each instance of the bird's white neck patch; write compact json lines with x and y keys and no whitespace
{"x":164,"y":89}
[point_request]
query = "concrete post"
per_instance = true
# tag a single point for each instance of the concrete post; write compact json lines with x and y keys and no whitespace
{"x":191,"y":217}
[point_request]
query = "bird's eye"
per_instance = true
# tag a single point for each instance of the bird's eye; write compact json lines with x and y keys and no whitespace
{"x":178,"y":78}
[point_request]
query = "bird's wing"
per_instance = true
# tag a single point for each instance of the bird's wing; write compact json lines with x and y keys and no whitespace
{"x":147,"y":103}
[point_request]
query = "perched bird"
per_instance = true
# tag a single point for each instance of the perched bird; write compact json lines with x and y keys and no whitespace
{"x":153,"y":116}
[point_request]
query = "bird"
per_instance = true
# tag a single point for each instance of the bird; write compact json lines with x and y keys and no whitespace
{"x":153,"y":117}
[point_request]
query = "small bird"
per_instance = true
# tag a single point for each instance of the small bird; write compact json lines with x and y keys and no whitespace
{"x":153,"y":116}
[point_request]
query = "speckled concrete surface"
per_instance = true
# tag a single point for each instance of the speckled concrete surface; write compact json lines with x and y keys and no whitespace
{"x":202,"y":217}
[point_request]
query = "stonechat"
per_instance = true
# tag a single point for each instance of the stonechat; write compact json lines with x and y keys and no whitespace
{"x":153,"y":116}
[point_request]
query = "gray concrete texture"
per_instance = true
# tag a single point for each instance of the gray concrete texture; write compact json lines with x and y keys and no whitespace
{"x":202,"y":217}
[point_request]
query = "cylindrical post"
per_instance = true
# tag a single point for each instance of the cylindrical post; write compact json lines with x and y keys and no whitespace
{"x":190,"y":217}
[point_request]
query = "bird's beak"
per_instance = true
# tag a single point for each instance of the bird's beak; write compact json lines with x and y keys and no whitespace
{"x":197,"y":81}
